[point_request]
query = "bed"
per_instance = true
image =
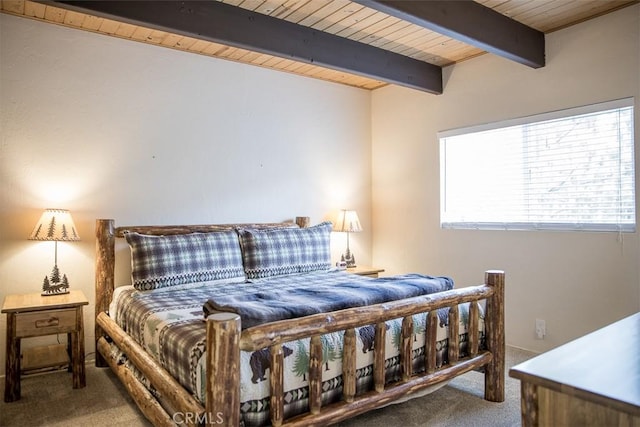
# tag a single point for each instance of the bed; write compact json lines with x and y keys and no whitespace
{"x":248,"y":324}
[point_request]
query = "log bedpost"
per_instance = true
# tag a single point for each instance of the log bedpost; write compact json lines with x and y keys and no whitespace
{"x":105,"y":272}
{"x":223,"y":370}
{"x":303,"y":221}
{"x":494,"y":326}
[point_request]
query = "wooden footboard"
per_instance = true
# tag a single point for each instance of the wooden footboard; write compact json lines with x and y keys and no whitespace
{"x":224,"y":385}
{"x":225,"y":341}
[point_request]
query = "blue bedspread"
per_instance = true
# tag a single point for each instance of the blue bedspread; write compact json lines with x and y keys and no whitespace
{"x":278,"y":304}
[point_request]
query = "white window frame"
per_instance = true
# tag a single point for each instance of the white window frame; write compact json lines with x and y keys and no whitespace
{"x":479,"y":221}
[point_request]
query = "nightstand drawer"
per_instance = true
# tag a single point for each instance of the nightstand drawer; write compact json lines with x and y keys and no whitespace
{"x":45,"y":322}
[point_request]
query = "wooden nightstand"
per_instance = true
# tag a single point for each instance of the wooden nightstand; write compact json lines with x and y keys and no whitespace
{"x":34,"y":315}
{"x":364,"y":270}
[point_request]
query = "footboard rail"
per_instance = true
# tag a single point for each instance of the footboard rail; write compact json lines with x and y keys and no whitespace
{"x":226,"y":341}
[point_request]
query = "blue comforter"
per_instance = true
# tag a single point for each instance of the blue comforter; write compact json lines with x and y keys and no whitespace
{"x":278,"y":304}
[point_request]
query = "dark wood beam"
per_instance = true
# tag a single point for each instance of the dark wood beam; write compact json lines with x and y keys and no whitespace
{"x":241,"y":28}
{"x":471,"y":23}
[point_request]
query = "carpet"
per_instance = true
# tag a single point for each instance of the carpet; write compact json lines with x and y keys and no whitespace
{"x":49,"y":400}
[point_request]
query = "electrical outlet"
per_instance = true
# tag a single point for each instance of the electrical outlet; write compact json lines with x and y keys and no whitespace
{"x":541,"y":329}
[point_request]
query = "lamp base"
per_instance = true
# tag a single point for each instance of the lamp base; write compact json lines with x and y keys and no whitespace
{"x":349,"y":259}
{"x":50,"y":293}
{"x":54,"y":285}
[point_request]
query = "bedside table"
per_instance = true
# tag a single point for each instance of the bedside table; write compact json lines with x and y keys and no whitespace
{"x":363,"y":270}
{"x":34,"y":315}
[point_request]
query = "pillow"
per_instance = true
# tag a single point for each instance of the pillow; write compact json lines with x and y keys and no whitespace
{"x":274,"y":252}
{"x":162,"y":261}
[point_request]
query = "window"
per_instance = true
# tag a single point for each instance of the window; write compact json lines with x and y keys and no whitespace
{"x":566,"y":170}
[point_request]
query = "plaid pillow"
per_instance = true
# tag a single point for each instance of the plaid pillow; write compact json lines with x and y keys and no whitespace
{"x":275,"y":252}
{"x":161,"y":261}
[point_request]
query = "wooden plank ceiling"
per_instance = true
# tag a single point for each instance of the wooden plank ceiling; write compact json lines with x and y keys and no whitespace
{"x":373,"y":23}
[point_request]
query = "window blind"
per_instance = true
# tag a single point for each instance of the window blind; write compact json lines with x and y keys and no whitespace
{"x":565,"y":170}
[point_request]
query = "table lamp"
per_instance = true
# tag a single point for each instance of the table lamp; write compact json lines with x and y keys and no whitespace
{"x":56,"y":225}
{"x":348,"y":222}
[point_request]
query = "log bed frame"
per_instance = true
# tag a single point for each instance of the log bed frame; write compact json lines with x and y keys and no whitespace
{"x":225,"y":340}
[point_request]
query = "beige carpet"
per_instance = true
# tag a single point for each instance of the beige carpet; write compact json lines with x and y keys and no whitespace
{"x":49,"y":400}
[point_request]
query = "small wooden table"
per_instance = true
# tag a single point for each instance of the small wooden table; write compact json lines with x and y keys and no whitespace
{"x":33,"y":315}
{"x":592,"y":381}
{"x":363,"y":270}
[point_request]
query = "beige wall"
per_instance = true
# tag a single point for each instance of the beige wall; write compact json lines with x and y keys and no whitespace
{"x":577,"y":282}
{"x":110,"y":128}
{"x":115,"y":129}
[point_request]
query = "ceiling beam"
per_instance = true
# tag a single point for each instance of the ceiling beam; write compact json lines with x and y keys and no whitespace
{"x":471,"y":23}
{"x":241,"y":28}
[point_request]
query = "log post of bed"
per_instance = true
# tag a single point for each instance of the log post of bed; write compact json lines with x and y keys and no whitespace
{"x":105,"y":273}
{"x":494,"y":324}
{"x":223,"y":370}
